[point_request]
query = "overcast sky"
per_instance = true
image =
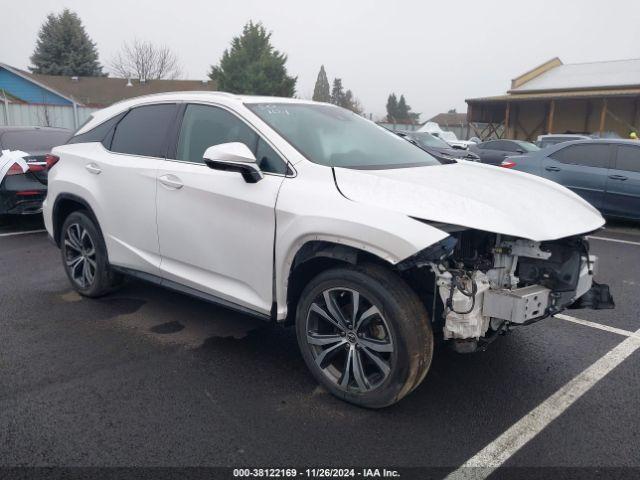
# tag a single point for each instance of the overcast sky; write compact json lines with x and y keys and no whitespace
{"x":437,"y":53}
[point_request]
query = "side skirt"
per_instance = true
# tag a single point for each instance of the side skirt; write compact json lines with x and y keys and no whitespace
{"x":192,"y":292}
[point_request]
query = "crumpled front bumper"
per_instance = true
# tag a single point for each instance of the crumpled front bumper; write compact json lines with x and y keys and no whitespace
{"x":525,"y":305}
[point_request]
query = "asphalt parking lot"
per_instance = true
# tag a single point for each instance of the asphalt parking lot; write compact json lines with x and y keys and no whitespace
{"x":149,"y":377}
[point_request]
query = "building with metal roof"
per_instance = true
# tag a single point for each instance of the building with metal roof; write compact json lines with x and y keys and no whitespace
{"x":595,"y":98}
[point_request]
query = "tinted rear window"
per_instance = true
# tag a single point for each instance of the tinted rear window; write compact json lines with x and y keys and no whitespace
{"x":143,"y":131}
{"x":33,"y":140}
{"x":586,"y":155}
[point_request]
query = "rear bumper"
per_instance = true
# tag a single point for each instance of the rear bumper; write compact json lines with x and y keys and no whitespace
{"x":21,"y":195}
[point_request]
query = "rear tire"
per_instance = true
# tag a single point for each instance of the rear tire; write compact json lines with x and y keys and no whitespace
{"x":84,"y":256}
{"x":364,"y":334}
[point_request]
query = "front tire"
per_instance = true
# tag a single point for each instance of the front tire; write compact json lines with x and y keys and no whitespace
{"x":84,"y":256}
{"x":364,"y":334}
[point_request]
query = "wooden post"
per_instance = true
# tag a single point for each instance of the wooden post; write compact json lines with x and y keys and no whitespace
{"x":635,"y":118}
{"x":507,"y":125}
{"x":603,"y":115}
{"x":515,"y":121}
{"x":552,"y":110}
{"x":587,"y":117}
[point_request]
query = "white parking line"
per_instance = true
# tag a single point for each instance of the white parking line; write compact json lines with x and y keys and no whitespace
{"x":599,"y":326}
{"x":494,"y":455}
{"x":615,"y":240}
{"x":21,"y":233}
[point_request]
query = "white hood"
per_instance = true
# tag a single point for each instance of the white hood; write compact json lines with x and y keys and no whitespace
{"x":476,"y":196}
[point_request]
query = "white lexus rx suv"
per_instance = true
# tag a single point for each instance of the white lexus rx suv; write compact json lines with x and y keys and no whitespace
{"x":304,"y":213}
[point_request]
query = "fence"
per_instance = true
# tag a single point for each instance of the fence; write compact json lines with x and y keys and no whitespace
{"x":400,"y":127}
{"x":22,"y":115}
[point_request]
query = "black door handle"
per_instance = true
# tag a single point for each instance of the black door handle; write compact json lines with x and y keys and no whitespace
{"x":617,"y":177}
{"x":552,"y":169}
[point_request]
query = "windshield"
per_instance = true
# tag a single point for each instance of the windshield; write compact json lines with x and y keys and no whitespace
{"x":425,"y":139}
{"x":332,"y":136}
{"x":527,"y":146}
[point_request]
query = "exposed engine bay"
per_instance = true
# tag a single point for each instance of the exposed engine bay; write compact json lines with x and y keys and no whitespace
{"x":489,"y":283}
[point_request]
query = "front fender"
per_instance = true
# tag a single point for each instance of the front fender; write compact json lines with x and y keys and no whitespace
{"x":314,"y":210}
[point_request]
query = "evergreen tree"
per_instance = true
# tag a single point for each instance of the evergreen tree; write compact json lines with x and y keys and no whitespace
{"x":351,"y":103}
{"x":392,"y":108}
{"x":252,"y":66}
{"x":337,"y":92}
{"x":64,"y":48}
{"x":403,"y":109}
{"x":321,"y":91}
{"x":398,"y":110}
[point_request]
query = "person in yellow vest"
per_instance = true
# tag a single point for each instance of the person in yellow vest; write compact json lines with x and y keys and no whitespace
{"x":633,"y":136}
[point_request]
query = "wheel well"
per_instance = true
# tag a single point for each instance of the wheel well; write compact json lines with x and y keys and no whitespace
{"x":314,"y":258}
{"x":64,"y":206}
{"x":317,"y":256}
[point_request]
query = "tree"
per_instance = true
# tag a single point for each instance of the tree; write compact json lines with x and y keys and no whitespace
{"x":392,"y":108}
{"x":64,"y":48}
{"x":144,"y":60}
{"x":344,"y":99}
{"x":321,"y":91}
{"x":452,"y":110}
{"x":399,"y":112}
{"x":337,"y":92}
{"x":403,"y":108}
{"x":351,"y":102}
{"x":252,"y":66}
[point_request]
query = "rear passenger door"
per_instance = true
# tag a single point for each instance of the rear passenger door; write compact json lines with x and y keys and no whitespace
{"x":581,"y":167}
{"x":122,"y":178}
{"x":622,"y":197}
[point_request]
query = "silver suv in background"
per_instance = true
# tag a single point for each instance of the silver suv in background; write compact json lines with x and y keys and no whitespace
{"x":544,"y":141}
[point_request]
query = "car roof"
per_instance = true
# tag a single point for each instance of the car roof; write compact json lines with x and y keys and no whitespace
{"x":32,"y":128}
{"x":588,"y":141}
{"x":223,"y":98}
{"x":552,"y":135}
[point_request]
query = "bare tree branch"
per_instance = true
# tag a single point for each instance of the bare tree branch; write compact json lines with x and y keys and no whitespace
{"x":146,"y":61}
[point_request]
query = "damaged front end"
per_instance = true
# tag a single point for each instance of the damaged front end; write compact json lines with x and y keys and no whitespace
{"x":488,"y":283}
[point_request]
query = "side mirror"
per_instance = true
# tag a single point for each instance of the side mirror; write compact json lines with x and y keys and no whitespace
{"x":519,"y":151}
{"x":233,"y":157}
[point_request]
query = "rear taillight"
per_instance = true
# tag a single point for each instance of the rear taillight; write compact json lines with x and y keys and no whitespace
{"x":508,"y":163}
{"x":33,"y":167}
{"x":28,"y":193}
{"x":51,"y":160}
{"x":15,"y":169}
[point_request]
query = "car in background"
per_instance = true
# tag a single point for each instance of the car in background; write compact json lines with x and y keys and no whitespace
{"x":545,"y":141}
{"x":493,"y":152}
{"x":437,"y":147}
{"x":434,"y":129}
{"x":23,"y":192}
{"x":605,"y":172}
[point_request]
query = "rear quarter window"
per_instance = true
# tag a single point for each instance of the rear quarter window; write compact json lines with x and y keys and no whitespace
{"x":99,"y":133}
